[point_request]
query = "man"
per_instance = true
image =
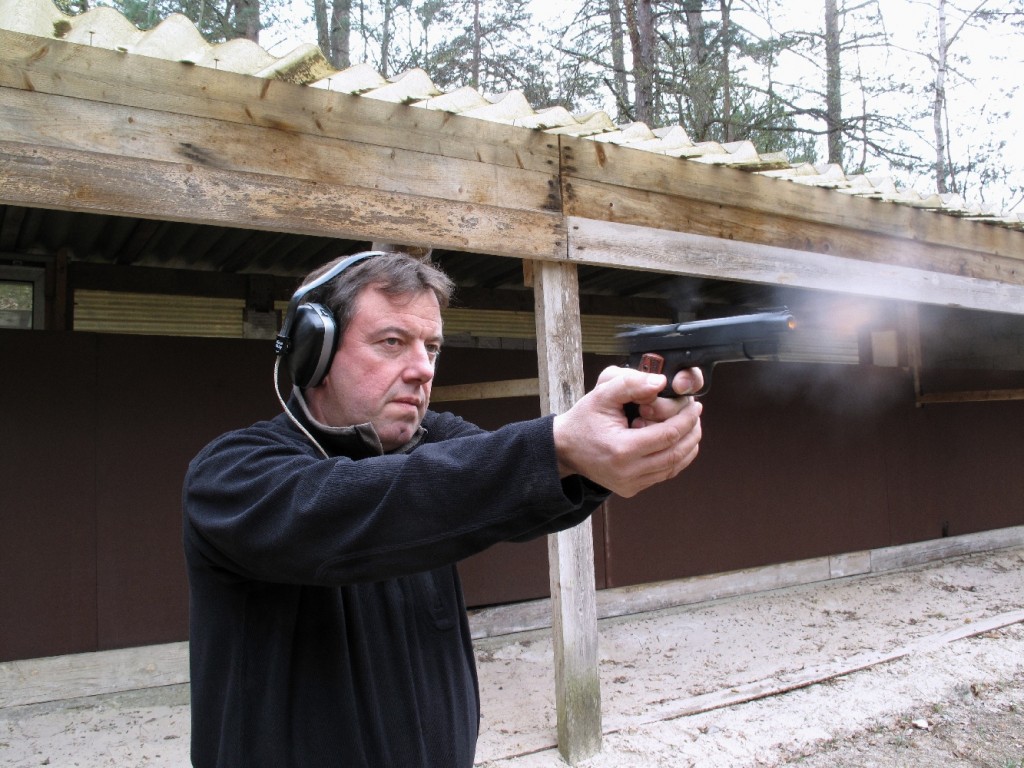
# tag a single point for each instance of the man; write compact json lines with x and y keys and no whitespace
{"x":327,"y":621}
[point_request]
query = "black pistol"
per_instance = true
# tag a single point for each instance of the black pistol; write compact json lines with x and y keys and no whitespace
{"x":702,"y":344}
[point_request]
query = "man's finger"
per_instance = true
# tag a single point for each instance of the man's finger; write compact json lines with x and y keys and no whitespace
{"x":688,"y":381}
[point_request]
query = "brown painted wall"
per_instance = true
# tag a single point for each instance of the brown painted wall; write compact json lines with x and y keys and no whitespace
{"x":797,"y":461}
{"x":98,"y":431}
{"x":801,"y":461}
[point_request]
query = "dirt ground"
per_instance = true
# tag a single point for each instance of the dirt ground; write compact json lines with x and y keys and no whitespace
{"x":923,"y":667}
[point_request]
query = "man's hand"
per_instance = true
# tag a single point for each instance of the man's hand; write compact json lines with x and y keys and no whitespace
{"x":594,"y":438}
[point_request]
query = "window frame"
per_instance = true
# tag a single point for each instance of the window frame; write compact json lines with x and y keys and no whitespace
{"x":36,"y":275}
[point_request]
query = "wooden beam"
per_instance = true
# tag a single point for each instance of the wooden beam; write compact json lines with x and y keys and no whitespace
{"x":75,"y":180}
{"x":571,"y":552}
{"x":629,"y":186}
{"x":46,"y":120}
{"x":737,"y":224}
{"x":660,"y":250}
{"x":110,"y":77}
{"x":486,"y":390}
{"x":910,"y":329}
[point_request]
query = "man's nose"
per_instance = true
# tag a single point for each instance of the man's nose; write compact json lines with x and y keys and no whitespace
{"x":420,"y":364}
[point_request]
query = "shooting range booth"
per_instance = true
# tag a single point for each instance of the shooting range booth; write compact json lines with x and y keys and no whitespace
{"x":160,"y":198}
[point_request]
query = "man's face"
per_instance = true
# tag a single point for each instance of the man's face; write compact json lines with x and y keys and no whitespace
{"x":384,"y":366}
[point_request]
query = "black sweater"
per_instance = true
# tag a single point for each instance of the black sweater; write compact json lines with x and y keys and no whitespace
{"x":327,"y":619}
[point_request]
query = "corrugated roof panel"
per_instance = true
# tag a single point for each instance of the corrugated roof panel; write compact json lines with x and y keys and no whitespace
{"x":157,"y":314}
{"x":460,"y":100}
{"x":586,"y":124}
{"x":355,"y":80}
{"x":546,"y":119}
{"x":407,"y":88}
{"x":506,"y":108}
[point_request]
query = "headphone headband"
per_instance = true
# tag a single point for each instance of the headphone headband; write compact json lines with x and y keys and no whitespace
{"x":283,"y":342}
{"x":309,"y":333}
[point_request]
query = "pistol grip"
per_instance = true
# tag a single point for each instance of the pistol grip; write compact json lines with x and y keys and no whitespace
{"x":651,"y":362}
{"x":632,"y":410}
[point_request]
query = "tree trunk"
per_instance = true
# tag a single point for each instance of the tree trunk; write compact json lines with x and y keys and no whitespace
{"x":700,"y":87}
{"x":475,"y":73}
{"x":245,"y":19}
{"x":833,"y":84}
{"x":725,"y":74}
{"x":640,"y":22}
{"x":620,"y":83}
{"x":385,"y":38}
{"x":939,"y":103}
{"x":323,"y":33}
{"x":341,"y":27}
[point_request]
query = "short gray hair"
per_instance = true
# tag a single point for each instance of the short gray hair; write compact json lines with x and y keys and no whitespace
{"x":393,"y":272}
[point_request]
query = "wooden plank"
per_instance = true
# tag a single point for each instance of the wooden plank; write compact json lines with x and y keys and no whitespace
{"x":918,"y":553}
{"x":849,"y":564}
{"x":60,"y":122}
{"x":910,"y":329}
{"x":978,"y":396}
{"x":34,"y":681}
{"x":624,"y":245}
{"x":101,"y":183}
{"x":656,"y":596}
{"x":171,"y":281}
{"x":486,"y":390}
{"x":571,"y":552}
{"x":604,"y":181}
{"x":716,"y":586}
{"x":94,"y":74}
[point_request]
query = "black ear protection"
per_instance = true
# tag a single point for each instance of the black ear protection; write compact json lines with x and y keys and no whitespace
{"x":308,"y":335}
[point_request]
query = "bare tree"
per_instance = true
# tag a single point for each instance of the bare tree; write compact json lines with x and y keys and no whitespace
{"x":945,"y":175}
{"x":939,"y":98}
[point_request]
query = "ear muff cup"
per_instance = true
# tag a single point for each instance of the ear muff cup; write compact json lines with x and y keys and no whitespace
{"x":309,"y":331}
{"x":314,"y":333}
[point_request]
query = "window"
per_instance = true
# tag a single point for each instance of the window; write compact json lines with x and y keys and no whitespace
{"x":21,"y":297}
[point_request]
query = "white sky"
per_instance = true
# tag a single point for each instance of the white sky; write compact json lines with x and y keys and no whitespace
{"x":996,"y":63}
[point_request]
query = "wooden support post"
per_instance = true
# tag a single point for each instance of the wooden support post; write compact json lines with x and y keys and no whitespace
{"x":910,"y":328}
{"x":570,"y":553}
{"x":60,"y":299}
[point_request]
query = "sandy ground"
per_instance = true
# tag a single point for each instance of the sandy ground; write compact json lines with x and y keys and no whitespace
{"x":923,"y":667}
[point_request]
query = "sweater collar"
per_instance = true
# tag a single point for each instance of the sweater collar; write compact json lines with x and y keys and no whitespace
{"x":357,"y":441}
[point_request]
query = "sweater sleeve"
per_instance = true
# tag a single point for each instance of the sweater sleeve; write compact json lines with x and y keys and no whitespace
{"x":260,"y":505}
